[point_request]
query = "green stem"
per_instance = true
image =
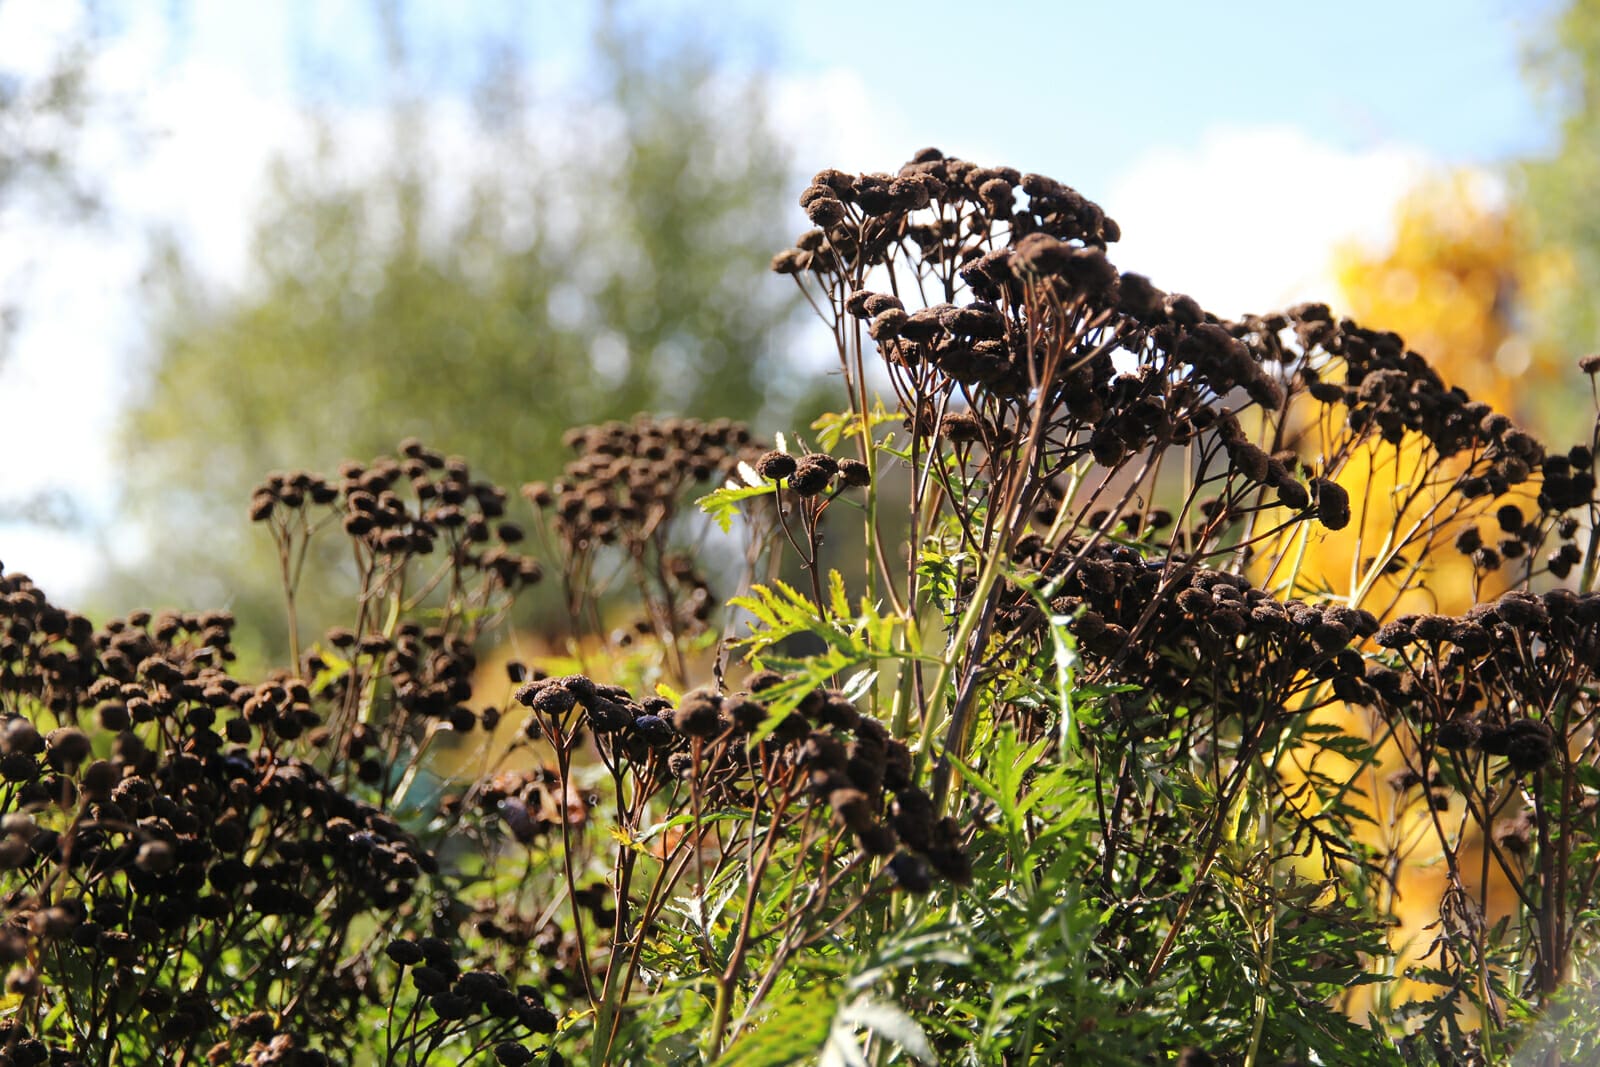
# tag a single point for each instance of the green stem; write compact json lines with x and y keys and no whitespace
{"x":976,"y":610}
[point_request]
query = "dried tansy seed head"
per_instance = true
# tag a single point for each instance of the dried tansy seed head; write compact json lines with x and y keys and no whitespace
{"x":699,"y":715}
{"x":854,"y":473}
{"x":775,"y":465}
{"x":812,"y":475}
{"x":1333,"y":504}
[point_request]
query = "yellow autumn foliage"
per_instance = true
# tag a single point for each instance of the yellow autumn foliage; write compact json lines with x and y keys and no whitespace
{"x":1454,"y":283}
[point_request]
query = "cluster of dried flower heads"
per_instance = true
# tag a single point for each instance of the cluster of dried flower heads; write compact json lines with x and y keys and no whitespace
{"x":1099,"y":477}
{"x":204,"y":866}
{"x":1150,"y":476}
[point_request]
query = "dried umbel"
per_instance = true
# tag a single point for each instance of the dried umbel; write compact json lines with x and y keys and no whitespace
{"x":1102,"y":473}
{"x":404,"y":507}
{"x":415,"y":520}
{"x":1507,"y":683}
{"x":623,"y":498}
{"x":1049,"y":357}
{"x":823,"y":753}
{"x":630,"y":479}
{"x":1138,"y":621}
{"x":156,"y":801}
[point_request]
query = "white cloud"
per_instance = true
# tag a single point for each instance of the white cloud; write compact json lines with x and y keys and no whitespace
{"x":830,"y":119}
{"x":1248,"y":221}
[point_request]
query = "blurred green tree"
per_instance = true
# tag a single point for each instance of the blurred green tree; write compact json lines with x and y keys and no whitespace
{"x":1557,"y":190}
{"x":479,"y":289}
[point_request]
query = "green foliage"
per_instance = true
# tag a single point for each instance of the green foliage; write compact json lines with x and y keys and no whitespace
{"x":483,"y":303}
{"x":1565,"y":65}
{"x":723,"y":504}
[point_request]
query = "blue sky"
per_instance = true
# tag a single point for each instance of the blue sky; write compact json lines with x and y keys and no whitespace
{"x":1115,"y":78}
{"x":1238,"y":143}
{"x":1094,"y":85}
{"x":1098,"y":84}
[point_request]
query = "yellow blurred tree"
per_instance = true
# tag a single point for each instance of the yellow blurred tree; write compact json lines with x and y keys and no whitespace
{"x":1455,"y":283}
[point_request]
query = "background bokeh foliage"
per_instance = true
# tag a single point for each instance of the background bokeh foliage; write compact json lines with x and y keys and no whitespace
{"x":540,"y":278}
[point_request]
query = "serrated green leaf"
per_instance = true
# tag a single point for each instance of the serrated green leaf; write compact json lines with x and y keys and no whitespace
{"x":790,"y":1031}
{"x":836,"y":594}
{"x":723,"y":504}
{"x":833,"y":427}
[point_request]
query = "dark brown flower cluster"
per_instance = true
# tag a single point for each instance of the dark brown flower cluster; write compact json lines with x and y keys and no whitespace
{"x":1528,"y":492}
{"x":163,"y":805}
{"x":457,"y":999}
{"x":427,"y":671}
{"x":456,"y":995}
{"x":1058,"y":354}
{"x":1520,"y":532}
{"x":629,"y":480}
{"x":812,"y":474}
{"x":866,"y":218}
{"x":1393,"y":391}
{"x":1047,"y":305}
{"x":556,"y":950}
{"x":406,"y":506}
{"x":626,"y":489}
{"x":1496,"y":707}
{"x":825,"y":749}
{"x":1040,"y":350}
{"x":46,"y":653}
{"x":1489,"y":468}
{"x":1507,"y":679}
{"x":1187,"y":636}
